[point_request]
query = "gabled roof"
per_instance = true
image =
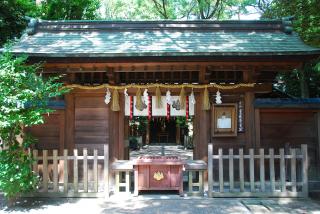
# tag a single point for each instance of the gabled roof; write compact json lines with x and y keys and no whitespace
{"x":160,"y":38}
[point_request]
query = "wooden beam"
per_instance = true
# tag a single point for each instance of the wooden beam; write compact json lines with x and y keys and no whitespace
{"x":258,"y":88}
{"x":202,"y":133}
{"x":121,"y":128}
{"x":98,"y":65}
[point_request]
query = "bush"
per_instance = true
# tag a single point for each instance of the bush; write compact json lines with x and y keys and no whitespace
{"x":16,"y":175}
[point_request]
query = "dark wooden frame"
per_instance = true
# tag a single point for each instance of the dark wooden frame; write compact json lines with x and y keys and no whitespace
{"x":225,"y":132}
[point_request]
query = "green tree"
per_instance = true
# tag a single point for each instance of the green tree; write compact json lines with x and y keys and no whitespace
{"x":70,"y":9}
{"x":174,"y":9}
{"x":24,"y":95}
{"x":14,"y":13}
{"x":303,"y":82}
{"x":13,"y":17}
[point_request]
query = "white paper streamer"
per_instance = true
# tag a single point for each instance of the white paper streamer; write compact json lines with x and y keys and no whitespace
{"x":107,"y":98}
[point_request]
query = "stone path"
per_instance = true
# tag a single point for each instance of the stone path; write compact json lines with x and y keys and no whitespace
{"x":162,"y":204}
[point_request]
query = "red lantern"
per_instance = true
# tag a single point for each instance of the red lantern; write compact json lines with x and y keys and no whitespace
{"x":187,"y":107}
{"x":149,"y":108}
{"x":168,"y":111}
{"x":131,"y":107}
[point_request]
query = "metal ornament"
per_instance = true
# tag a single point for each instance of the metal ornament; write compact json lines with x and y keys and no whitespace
{"x":218,"y":97}
{"x":107,"y":98}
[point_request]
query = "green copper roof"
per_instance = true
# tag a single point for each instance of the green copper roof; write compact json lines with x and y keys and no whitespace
{"x":160,"y":38}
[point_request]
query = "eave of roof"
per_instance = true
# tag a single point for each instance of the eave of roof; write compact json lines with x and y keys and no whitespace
{"x":303,"y":103}
{"x":94,"y":39}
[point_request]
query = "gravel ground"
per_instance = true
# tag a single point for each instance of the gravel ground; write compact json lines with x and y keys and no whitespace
{"x":160,"y":204}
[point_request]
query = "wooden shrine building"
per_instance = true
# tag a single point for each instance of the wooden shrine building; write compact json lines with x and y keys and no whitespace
{"x":233,"y":63}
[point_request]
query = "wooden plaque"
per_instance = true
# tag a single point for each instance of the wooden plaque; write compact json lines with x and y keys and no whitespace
{"x":224,"y":120}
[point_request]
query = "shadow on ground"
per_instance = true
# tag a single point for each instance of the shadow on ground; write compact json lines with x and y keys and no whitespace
{"x":161,"y":203}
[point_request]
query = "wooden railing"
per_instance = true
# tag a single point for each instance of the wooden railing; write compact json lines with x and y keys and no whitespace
{"x":72,"y":175}
{"x":285,"y":176}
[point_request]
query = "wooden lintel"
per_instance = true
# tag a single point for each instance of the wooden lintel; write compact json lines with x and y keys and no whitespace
{"x":167,"y":65}
{"x":258,"y":88}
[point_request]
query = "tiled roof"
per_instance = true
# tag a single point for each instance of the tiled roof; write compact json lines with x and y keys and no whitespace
{"x":160,"y":38}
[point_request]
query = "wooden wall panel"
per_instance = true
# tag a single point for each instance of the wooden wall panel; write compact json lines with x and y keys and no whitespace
{"x":50,"y":135}
{"x":91,"y":126}
{"x":289,"y":128}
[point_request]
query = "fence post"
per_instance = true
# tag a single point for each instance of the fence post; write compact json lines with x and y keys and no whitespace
{"x":272,"y":173}
{"x":106,"y":170}
{"x":45,"y":177}
{"x":305,"y":189}
{"x":35,"y":163}
{"x":95,"y":170}
{"x":231,"y":177}
{"x":241,"y":170}
{"x":293,"y":170}
{"x":221,"y":182}
{"x":262,"y":174}
{"x":55,"y":171}
{"x":85,"y":170}
{"x":252,"y":186}
{"x":282,"y":171}
{"x":210,"y":170}
{"x":65,"y":170}
{"x":75,"y":170}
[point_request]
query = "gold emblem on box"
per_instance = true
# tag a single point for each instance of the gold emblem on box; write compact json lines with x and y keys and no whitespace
{"x":158,"y":176}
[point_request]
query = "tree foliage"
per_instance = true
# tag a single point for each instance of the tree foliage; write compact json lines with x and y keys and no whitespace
{"x":303,"y":82}
{"x":14,"y":13}
{"x":12,"y":18}
{"x":69,"y":10}
{"x":174,"y":9}
{"x":306,"y":17}
{"x":24,"y":95}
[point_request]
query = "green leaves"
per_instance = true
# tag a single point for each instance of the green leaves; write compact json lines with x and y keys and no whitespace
{"x":16,"y":176}
{"x":24,"y":95}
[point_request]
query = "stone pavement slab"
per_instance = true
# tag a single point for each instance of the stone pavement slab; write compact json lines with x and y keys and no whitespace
{"x":161,"y":204}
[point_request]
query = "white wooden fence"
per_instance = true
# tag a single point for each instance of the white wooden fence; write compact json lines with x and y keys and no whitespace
{"x":59,"y":175}
{"x":285,"y":176}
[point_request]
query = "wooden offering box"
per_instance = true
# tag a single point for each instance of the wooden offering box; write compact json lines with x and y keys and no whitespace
{"x":158,"y":173}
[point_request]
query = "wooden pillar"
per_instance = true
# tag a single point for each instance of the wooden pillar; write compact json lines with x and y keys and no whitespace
{"x":249,"y":111}
{"x":114,"y":134}
{"x":201,"y":130}
{"x":116,"y":130}
{"x":69,"y":121}
{"x":249,"y":119}
{"x":121,"y":117}
{"x":126,"y":139}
